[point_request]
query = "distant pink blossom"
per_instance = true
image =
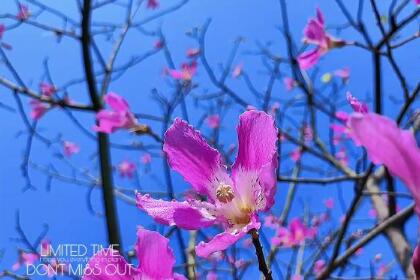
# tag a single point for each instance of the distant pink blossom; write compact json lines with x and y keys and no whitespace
{"x":237,"y":71}
{"x":294,"y":235}
{"x":315,"y":34}
{"x":193,"y":52}
{"x":289,"y":83}
{"x":308,"y":133}
{"x":233,"y":201}
{"x":146,"y":158}
{"x":341,"y":155}
{"x":186,"y":73}
{"x":126,"y":168}
{"x":47,"y":89}
{"x":38,"y":108}
{"x":329,"y":203}
{"x":343,"y":73}
{"x":296,"y":154}
{"x":382,"y":271}
{"x":274,"y":108}
{"x":159,"y":44}
{"x":357,"y":106}
{"x":152,"y":4}
{"x":319,"y":266}
{"x":23,"y":13}
{"x":25,"y":258}
{"x":70,"y":148}
{"x":119,"y":117}
{"x":2,"y":30}
{"x":271,"y":221}
{"x":297,"y":277}
{"x":417,"y":2}
{"x":155,"y":261}
{"x":213,"y":121}
{"x":211,"y":276}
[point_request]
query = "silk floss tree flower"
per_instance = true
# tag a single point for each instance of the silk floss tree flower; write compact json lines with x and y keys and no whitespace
{"x":119,"y":117}
{"x":232,"y":201}
{"x":315,"y":34}
{"x":395,"y":148}
{"x":156,"y":261}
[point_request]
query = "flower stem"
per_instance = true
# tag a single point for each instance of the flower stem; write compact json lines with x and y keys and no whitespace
{"x":262,"y":265}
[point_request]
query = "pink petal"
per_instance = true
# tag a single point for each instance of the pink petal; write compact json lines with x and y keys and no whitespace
{"x":108,"y":264}
{"x":387,"y":144}
{"x":190,"y":155}
{"x":357,"y":106}
{"x":320,"y":16}
{"x":308,"y":59}
{"x":181,"y":214}
{"x":224,"y":240}
{"x":2,"y":30}
{"x":152,"y":4}
{"x":314,"y":32}
{"x":257,"y":136}
{"x":116,"y":102}
{"x":156,"y":258}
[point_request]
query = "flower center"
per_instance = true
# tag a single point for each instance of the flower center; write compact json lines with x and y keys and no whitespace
{"x":224,"y":193}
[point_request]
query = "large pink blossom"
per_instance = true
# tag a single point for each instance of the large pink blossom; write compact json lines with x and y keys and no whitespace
{"x":387,"y":144}
{"x":315,"y":34}
{"x":118,"y":117}
{"x":155,"y":257}
{"x":233,"y":201}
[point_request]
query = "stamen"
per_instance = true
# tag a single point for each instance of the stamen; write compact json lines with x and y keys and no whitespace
{"x":224,"y":193}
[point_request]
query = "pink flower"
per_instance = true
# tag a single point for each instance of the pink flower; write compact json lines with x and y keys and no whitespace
{"x":159,"y":44}
{"x":296,"y":154}
{"x":329,"y":203}
{"x":146,"y":158}
{"x":2,"y":30}
{"x":213,"y":121}
{"x":343,"y":116}
{"x":357,"y":106}
{"x":314,"y":33}
{"x":233,"y":201}
{"x":155,"y":257}
{"x":319,"y":266}
{"x":38,"y":109}
{"x":152,"y":4}
{"x":193,"y":52}
{"x":118,"y":117}
{"x":343,"y":73}
{"x":387,"y":144}
{"x":417,"y":2}
{"x":308,"y":133}
{"x":126,"y":168}
{"x":47,"y":89}
{"x":289,"y":83}
{"x":271,"y":221}
{"x":23,"y":13}
{"x":416,"y":260}
{"x":237,"y":71}
{"x":297,"y":277}
{"x":70,"y":148}
{"x":341,"y":155}
{"x":211,"y":276}
{"x":186,"y":72}
{"x":25,"y":259}
{"x":294,"y":235}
